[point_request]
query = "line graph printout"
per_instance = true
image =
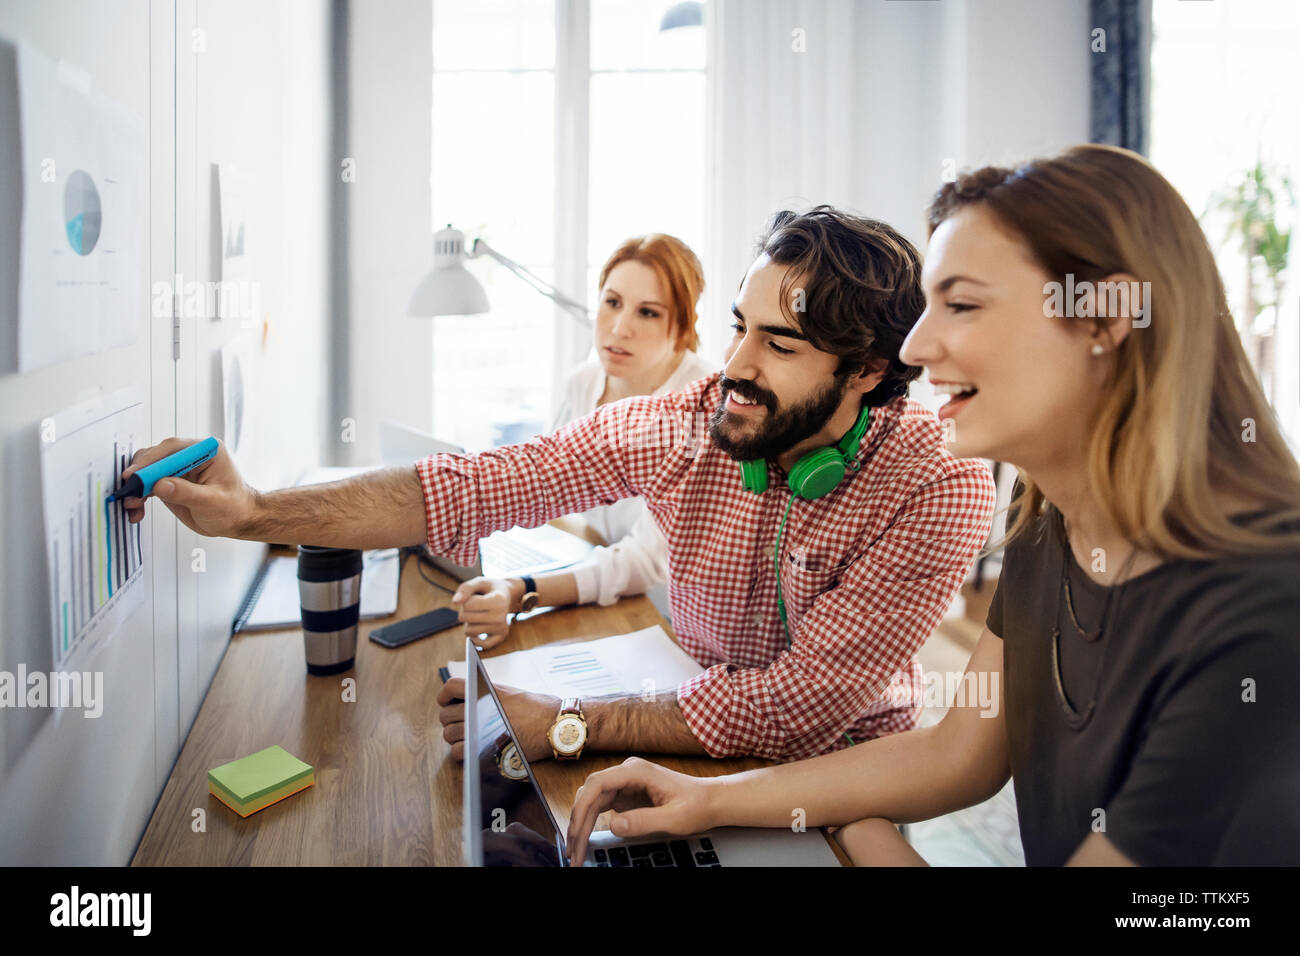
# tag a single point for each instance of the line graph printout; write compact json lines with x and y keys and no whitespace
{"x":94,"y":554}
{"x":579,"y":672}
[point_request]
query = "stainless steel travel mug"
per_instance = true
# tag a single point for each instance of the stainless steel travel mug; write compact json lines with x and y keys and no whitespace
{"x":329,"y":586}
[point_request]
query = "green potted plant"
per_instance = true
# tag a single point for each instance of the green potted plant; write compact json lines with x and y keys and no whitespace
{"x":1252,"y":205}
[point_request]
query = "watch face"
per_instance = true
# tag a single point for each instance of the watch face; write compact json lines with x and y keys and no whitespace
{"x":529,"y":602}
{"x":512,"y":767}
{"x":568,"y":735}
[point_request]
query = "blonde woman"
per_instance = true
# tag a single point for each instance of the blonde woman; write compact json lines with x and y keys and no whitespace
{"x":645,"y":342}
{"x":1142,"y":640}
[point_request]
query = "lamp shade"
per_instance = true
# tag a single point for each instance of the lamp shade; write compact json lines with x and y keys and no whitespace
{"x":688,"y":13}
{"x":449,"y":289}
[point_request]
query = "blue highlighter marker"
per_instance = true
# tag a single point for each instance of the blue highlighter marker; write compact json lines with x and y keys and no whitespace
{"x":140,"y":484}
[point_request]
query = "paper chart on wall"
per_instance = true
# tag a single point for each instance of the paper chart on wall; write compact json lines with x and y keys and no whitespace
{"x":95,"y":556}
{"x":83,"y":235}
{"x":239,"y":297}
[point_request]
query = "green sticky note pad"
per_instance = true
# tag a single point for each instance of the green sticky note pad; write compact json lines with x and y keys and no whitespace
{"x":257,"y":775}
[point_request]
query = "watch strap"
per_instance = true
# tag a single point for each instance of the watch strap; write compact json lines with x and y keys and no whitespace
{"x":529,"y":599}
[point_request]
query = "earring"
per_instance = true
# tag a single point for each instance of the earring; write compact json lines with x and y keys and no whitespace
{"x":1098,"y":348}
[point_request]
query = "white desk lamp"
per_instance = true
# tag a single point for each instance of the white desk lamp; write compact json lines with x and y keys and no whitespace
{"x":450,"y":289}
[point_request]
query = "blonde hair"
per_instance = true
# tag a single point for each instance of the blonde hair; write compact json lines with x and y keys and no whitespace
{"x":1169,"y":430}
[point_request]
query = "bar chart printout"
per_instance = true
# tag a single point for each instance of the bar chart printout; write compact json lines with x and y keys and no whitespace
{"x":94,"y":554}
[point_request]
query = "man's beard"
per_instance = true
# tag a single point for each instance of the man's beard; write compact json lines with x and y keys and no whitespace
{"x":780,"y":430}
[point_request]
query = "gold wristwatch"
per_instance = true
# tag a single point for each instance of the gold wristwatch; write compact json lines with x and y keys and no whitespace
{"x":568,"y":735}
{"x":509,"y":763}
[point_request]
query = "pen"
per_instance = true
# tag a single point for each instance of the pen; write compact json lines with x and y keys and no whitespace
{"x":140,"y":484}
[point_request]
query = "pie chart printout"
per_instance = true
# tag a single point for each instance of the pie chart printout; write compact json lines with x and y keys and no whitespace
{"x":82,"y":212}
{"x":83,"y":233}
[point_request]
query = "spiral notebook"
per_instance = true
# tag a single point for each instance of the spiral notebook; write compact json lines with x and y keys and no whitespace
{"x":273,"y":600}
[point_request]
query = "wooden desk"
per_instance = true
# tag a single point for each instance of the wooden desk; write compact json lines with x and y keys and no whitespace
{"x":387,"y":791}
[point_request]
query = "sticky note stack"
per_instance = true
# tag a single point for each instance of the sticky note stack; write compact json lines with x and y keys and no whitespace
{"x":259,"y":780}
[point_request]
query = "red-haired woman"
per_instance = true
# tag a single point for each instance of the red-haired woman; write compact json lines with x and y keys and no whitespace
{"x":645,"y":342}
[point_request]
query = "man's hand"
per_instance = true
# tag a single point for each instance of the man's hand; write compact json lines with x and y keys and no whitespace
{"x":645,"y":797}
{"x":484,"y":605}
{"x":530,"y":716}
{"x":212,"y":499}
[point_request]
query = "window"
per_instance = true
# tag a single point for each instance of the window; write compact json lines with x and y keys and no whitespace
{"x":544,"y":109}
{"x":647,"y":129}
{"x":493,"y":177}
{"x":1223,"y":98}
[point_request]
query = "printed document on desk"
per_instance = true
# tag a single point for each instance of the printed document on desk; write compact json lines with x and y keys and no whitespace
{"x":643,"y":661}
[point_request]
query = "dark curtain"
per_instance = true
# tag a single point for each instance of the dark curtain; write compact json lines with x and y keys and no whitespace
{"x":1121,"y":75}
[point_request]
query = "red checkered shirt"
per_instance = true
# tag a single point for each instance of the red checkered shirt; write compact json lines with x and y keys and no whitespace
{"x":867,"y":570}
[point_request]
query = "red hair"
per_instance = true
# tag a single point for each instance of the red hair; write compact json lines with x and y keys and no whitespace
{"x":680,"y":273}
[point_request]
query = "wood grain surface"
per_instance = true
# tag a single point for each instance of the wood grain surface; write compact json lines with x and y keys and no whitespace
{"x":387,"y":791}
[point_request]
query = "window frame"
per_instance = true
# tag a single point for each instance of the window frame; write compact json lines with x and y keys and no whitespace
{"x":572,"y":76}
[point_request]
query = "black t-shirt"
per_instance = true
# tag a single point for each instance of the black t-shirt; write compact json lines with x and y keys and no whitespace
{"x":1189,"y":755}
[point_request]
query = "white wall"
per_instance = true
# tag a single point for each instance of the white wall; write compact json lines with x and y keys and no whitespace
{"x":77,"y":790}
{"x":255,"y":98}
{"x":390,"y":238}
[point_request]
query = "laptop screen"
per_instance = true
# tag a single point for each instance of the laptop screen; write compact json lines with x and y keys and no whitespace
{"x":508,"y":822}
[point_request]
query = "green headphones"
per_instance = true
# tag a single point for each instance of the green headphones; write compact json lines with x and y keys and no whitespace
{"x":816,"y":473}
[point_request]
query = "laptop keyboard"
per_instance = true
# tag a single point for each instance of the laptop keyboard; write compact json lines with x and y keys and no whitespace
{"x":506,"y":555}
{"x":674,"y":853}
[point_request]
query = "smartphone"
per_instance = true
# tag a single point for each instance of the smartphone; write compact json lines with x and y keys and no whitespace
{"x":414,"y":628}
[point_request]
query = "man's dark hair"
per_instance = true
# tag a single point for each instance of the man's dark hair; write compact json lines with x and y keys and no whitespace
{"x":861,"y":283}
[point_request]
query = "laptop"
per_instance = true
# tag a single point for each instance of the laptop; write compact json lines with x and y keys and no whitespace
{"x":507,"y":821}
{"x":502,"y":554}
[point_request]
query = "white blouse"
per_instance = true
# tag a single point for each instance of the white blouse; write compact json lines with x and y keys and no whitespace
{"x":637,"y":557}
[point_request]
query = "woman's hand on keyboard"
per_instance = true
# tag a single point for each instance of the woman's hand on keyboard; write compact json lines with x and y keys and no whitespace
{"x":645,"y":797}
